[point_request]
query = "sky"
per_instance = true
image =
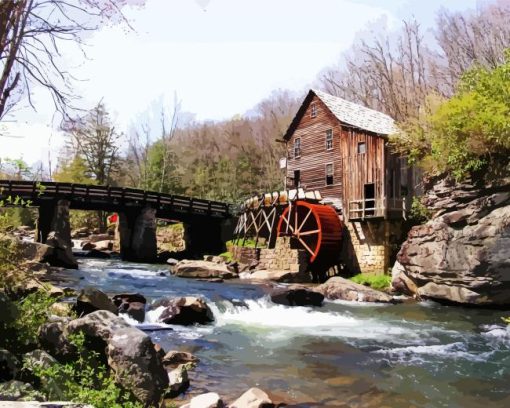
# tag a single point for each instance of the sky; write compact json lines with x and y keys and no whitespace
{"x":218,"y":58}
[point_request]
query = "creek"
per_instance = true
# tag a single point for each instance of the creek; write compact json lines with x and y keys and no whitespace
{"x":343,"y":354}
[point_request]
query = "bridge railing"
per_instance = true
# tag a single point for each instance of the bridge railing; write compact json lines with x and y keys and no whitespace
{"x":34,"y":190}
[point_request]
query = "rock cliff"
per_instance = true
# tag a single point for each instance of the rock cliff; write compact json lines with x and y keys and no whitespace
{"x":462,"y":254}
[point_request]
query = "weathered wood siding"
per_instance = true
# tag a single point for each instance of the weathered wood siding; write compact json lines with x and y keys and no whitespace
{"x":314,"y":155}
{"x":362,"y":168}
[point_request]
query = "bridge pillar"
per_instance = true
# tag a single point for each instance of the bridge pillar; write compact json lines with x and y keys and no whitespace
{"x":54,"y":229}
{"x":205,"y":237}
{"x":137,"y":235}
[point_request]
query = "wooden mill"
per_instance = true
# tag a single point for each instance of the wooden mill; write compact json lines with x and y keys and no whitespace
{"x":337,"y":152}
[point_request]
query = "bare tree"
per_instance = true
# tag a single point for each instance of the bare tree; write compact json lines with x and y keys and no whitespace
{"x":467,"y":39}
{"x":31,"y":35}
{"x":166,"y":138}
{"x":138,"y":157}
{"x":96,"y":140}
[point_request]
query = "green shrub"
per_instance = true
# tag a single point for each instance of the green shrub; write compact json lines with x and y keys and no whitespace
{"x":248,"y":243}
{"x":378,"y":282}
{"x":466,"y":135}
{"x":419,"y":212}
{"x":227,"y":256}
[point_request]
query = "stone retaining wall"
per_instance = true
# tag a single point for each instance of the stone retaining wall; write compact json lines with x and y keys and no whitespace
{"x":281,"y":257}
{"x":370,"y":245}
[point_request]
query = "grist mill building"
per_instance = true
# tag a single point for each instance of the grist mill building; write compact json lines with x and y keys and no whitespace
{"x":341,"y":149}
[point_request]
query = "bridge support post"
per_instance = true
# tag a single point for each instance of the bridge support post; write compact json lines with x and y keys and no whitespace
{"x":137,"y":235}
{"x":54,"y":229}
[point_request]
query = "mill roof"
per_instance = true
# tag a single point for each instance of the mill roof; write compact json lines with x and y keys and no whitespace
{"x":349,"y":113}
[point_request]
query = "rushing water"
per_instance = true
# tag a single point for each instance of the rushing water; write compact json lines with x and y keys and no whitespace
{"x":341,"y":355}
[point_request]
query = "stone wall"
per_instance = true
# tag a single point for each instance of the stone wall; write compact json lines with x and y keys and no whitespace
{"x":281,"y":257}
{"x":369,"y":246}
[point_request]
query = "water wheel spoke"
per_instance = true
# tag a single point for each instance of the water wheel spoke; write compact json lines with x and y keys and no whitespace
{"x":305,"y":219}
{"x":309,"y":232}
{"x":288,"y":222}
{"x":306,"y":246}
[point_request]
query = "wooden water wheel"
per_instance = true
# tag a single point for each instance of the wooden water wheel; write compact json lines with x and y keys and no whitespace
{"x":316,"y":227}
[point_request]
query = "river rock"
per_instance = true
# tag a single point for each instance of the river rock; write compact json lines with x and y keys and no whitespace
{"x":53,"y":339}
{"x":253,"y":398}
{"x":339,"y":288}
{"x":175,"y":357}
{"x":296,"y":295}
{"x":279,"y":276}
{"x":202,"y":270}
{"x":461,"y":254}
{"x":91,"y":299}
{"x":133,"y":304}
{"x":208,"y":400}
{"x":185,"y":311}
{"x":133,"y":358}
{"x":35,"y":251}
{"x":8,"y":365}
{"x":106,"y":245}
{"x":87,"y":245}
{"x":99,"y":237}
{"x":130,"y":352}
{"x":18,"y":391}
{"x":172,"y":261}
{"x":178,"y":381}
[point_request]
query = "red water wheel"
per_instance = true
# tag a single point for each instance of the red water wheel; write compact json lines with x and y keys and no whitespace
{"x":316,"y":227}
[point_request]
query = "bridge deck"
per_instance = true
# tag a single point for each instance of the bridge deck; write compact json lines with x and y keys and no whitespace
{"x":91,"y":197}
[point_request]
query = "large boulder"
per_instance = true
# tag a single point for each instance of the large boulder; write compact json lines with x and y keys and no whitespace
{"x":133,"y":358}
{"x":53,"y":339}
{"x":130,"y":353}
{"x":285,"y":276}
{"x":91,"y":299}
{"x":338,"y":288}
{"x":35,"y":251}
{"x":202,"y":270}
{"x":132,"y":304}
{"x":461,"y":254}
{"x":99,"y":324}
{"x":253,"y":398}
{"x":185,"y":311}
{"x":296,"y":295}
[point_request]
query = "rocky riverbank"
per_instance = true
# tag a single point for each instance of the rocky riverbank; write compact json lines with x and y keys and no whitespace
{"x":461,"y":254}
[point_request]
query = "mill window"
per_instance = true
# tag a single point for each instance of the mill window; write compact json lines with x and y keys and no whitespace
{"x":329,"y":139}
{"x":362,"y":148}
{"x":313,"y":110}
{"x":297,"y":147}
{"x":329,"y":174}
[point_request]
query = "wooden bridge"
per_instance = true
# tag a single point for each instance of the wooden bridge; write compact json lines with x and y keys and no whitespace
{"x":138,"y":210}
{"x":113,"y":199}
